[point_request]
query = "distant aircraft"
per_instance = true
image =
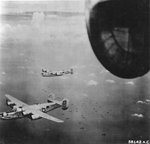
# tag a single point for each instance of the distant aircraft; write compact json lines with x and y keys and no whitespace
{"x":46,"y":73}
{"x":36,"y":111}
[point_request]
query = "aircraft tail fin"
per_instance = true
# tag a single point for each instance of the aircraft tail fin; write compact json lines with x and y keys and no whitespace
{"x":71,"y":71}
{"x":65,"y":104}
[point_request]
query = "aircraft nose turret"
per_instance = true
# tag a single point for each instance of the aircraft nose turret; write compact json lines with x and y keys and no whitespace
{"x":118,"y":31}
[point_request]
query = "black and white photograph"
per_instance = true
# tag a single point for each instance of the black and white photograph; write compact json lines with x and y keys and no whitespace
{"x":74,"y":72}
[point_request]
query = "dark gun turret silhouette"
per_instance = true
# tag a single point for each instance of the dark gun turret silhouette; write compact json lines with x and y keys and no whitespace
{"x":118,"y":31}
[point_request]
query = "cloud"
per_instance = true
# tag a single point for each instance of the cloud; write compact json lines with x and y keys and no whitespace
{"x":130,"y":83}
{"x":92,"y":83}
{"x":17,"y":32}
{"x":3,"y":73}
{"x":37,"y":18}
{"x":140,"y":102}
{"x":110,"y":81}
{"x":138,"y":115}
{"x":36,"y":30}
{"x":43,"y":31}
{"x":147,"y":101}
{"x":104,"y":71}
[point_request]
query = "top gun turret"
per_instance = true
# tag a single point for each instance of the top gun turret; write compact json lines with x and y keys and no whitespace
{"x":118,"y":31}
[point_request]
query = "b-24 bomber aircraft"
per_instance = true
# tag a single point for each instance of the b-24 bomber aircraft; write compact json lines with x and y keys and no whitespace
{"x":47,"y":73}
{"x":36,"y":111}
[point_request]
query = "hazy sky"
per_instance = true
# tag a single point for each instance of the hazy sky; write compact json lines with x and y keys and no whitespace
{"x":51,"y":5}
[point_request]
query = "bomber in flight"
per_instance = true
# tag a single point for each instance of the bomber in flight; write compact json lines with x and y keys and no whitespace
{"x":36,"y":111}
{"x":46,"y":73}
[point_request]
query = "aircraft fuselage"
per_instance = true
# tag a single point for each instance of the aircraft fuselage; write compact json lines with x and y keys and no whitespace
{"x":46,"y":73}
{"x":50,"y":74}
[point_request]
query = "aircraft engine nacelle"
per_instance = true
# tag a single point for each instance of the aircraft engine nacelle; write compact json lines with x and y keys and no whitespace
{"x":58,"y":73}
{"x":119,"y":31}
{"x":18,"y":109}
{"x":9,"y":103}
{"x":4,"y":114}
{"x":25,"y":113}
{"x":34,"y":117}
{"x":65,"y":104}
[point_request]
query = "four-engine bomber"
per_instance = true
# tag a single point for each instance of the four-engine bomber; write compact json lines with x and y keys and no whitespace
{"x":36,"y":111}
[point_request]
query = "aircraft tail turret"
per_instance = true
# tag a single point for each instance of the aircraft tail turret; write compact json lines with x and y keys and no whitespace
{"x":71,"y":71}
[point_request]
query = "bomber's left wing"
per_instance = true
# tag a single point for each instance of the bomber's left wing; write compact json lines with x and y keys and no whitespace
{"x":15,"y":101}
{"x":49,"y":117}
{"x":44,"y":115}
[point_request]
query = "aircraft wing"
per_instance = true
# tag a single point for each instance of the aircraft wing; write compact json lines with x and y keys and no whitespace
{"x":17,"y":102}
{"x":44,"y":115}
